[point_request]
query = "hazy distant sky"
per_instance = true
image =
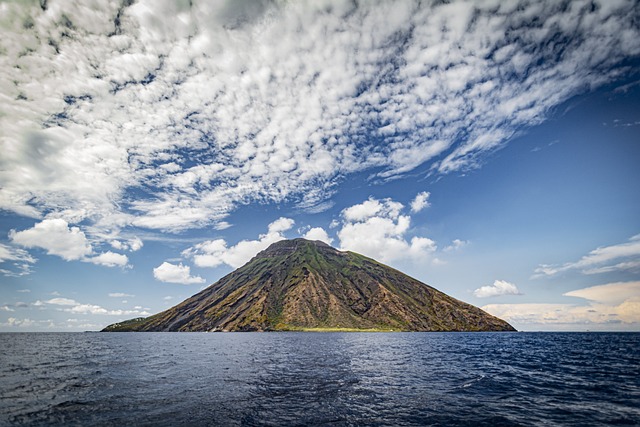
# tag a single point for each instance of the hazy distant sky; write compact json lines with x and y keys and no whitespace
{"x":488,"y":148}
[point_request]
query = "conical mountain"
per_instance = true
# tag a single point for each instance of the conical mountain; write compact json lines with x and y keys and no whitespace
{"x":308,"y":285}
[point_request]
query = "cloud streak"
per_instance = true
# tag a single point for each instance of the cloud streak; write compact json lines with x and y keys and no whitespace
{"x":606,"y":259}
{"x":168,"y":115}
{"x":22,"y":261}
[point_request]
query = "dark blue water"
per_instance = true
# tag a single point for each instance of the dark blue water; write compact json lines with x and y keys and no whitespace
{"x":320,"y":378}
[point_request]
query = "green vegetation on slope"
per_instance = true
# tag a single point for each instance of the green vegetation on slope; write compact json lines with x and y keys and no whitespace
{"x":309,"y":286}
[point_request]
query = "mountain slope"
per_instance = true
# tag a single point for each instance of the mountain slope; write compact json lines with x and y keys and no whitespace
{"x":303,"y":285}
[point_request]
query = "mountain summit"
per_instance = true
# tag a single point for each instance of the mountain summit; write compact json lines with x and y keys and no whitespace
{"x":308,"y":285}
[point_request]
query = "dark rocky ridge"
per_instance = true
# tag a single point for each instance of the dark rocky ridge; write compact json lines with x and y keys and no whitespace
{"x":303,"y":285}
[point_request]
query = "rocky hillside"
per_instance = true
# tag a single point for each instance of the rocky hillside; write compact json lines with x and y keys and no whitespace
{"x":304,"y":285}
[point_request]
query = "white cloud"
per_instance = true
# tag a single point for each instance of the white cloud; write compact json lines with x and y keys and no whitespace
{"x":6,"y":308}
{"x":318,"y":233}
{"x":456,"y":245}
{"x":120,"y":295}
{"x":9,"y":253}
{"x":280,"y":225}
{"x":62,"y":301}
{"x":620,"y":257}
{"x":21,"y":260}
{"x":192,"y":102}
{"x":19,"y":271}
{"x":24,"y":290}
{"x":133,"y":245}
{"x":70,"y":243}
{"x":222,"y":225}
{"x":109,"y":259}
{"x":212,"y":253}
{"x":172,"y":273}
{"x":377,"y":229}
{"x":117,"y":244}
{"x":420,"y":202}
{"x":90,"y":309}
{"x":364,"y":210}
{"x":56,"y":237}
{"x":499,"y":287}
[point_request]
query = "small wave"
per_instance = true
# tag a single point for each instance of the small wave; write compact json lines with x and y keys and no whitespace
{"x":473,"y":382}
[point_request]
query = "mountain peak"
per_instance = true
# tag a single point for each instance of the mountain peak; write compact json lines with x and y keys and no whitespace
{"x":301,"y":284}
{"x":285,"y":247}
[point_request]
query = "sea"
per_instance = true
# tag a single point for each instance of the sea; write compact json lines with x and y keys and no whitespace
{"x":333,"y":379}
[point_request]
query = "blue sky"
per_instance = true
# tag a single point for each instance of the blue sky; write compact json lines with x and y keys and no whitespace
{"x":489,"y":149}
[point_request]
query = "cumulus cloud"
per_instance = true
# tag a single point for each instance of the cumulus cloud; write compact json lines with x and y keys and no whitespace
{"x":172,"y":273}
{"x":499,"y":287}
{"x":620,"y":257}
{"x":318,"y":233}
{"x":56,"y":237}
{"x":212,"y":253}
{"x":208,"y":105}
{"x":420,"y":202}
{"x":609,"y":306}
{"x":377,"y":228}
{"x":70,"y":243}
{"x":109,"y":259}
{"x":280,"y":225}
{"x":134,"y":244}
{"x":371,"y":208}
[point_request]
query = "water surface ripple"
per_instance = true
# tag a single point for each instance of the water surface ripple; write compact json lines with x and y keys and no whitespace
{"x":276,"y":379}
